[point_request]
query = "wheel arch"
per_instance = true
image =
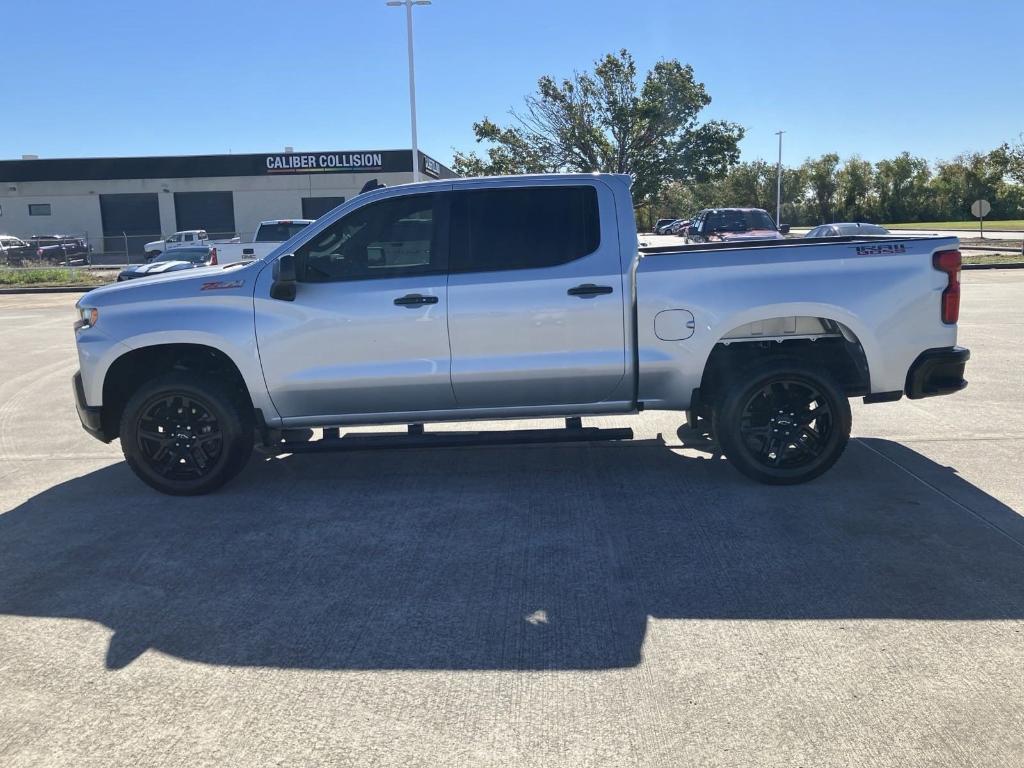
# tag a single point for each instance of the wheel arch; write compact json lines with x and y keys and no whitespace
{"x":817,"y":339}
{"x":140,"y":364}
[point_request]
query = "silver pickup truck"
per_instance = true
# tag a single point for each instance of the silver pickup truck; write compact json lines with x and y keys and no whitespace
{"x":507,"y":298}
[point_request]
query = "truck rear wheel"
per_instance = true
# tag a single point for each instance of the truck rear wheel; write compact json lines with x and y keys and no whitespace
{"x":782,"y":422}
{"x":185,"y":434}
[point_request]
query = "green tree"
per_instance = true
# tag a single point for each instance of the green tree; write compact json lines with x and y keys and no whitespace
{"x":973,"y":176}
{"x":609,"y":121}
{"x":902,"y":188}
{"x":855,"y":180}
{"x":676,"y":199}
{"x":821,"y":177}
{"x":794,"y":187}
{"x":1011,"y":156}
{"x":749,"y":185}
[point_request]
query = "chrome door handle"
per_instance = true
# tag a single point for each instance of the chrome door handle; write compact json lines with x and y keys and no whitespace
{"x":415,"y":300}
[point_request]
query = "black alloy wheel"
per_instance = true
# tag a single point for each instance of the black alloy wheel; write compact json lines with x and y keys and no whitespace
{"x":782,"y":422}
{"x":187,"y":433}
{"x":179,"y":437}
{"x":786,"y":424}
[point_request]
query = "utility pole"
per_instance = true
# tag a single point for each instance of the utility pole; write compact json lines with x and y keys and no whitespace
{"x":412,"y":80}
{"x":778,"y":183}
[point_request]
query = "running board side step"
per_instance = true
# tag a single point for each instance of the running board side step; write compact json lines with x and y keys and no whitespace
{"x":363,"y":441}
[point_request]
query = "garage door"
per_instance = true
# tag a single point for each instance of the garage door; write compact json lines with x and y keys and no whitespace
{"x":129,"y":220}
{"x":212,"y":211}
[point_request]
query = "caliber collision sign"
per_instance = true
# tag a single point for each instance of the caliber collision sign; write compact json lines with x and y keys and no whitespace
{"x":325,"y":162}
{"x":431,"y":167}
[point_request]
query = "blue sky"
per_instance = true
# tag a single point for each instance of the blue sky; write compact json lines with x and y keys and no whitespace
{"x":134,"y":78}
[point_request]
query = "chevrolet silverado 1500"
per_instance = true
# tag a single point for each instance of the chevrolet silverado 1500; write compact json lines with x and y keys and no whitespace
{"x":513,"y":297}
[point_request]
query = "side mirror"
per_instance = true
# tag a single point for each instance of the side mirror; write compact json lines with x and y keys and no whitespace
{"x":284,"y":285}
{"x":784,"y":229}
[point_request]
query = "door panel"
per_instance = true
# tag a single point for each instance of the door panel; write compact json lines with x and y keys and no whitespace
{"x":524,"y":337}
{"x":367,"y":331}
{"x":347,"y":348}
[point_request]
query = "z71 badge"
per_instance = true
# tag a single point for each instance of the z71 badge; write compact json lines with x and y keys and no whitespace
{"x":220,"y":285}
{"x":880,"y":250}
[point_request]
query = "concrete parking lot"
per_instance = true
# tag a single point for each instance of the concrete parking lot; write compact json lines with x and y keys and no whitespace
{"x":635,"y":604}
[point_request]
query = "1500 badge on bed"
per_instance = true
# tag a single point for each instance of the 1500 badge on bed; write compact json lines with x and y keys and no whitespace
{"x":881,"y":250}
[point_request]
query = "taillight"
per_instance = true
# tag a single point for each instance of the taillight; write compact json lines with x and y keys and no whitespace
{"x":949,"y":262}
{"x":213,"y":257}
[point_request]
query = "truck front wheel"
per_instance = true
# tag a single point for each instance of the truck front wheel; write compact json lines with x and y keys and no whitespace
{"x":186,"y":434}
{"x":782,"y":422}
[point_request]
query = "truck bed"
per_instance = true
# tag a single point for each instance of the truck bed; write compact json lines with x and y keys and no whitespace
{"x":880,"y":291}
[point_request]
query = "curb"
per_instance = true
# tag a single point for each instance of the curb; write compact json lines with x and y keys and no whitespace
{"x":1011,"y":265}
{"x":49,"y":289}
{"x":989,"y":248}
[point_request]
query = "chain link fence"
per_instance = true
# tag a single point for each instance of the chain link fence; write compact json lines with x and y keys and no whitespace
{"x":130,"y":248}
{"x":84,"y":249}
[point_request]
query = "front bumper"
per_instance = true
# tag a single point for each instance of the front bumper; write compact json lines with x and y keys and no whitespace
{"x":937,"y":372}
{"x":90,"y":416}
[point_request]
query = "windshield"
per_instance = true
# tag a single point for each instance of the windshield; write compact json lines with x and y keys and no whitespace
{"x":738,"y":221}
{"x":862,"y":229}
{"x":278,"y":233}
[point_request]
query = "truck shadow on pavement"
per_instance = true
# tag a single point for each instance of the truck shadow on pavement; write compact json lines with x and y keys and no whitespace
{"x":545,"y":557}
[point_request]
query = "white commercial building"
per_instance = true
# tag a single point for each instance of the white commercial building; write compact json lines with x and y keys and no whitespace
{"x":120,"y":203}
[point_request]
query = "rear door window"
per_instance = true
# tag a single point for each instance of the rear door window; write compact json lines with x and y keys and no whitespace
{"x":520,"y":228}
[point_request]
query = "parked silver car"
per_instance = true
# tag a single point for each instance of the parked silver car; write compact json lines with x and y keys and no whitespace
{"x":847,"y":229}
{"x":175,"y":260}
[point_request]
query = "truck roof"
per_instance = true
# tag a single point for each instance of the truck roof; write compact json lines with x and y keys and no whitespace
{"x":735,"y":208}
{"x":520,"y":179}
{"x":270,"y":222}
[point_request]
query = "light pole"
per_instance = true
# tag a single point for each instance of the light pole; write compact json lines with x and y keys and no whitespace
{"x":778,"y":183}
{"x":412,"y":81}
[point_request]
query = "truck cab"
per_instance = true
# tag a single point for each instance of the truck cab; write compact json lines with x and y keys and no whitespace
{"x":187,"y":237}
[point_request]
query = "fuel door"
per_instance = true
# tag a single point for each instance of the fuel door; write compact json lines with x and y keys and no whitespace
{"x":674,"y":324}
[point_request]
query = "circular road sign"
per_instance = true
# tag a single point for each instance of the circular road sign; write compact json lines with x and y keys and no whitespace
{"x":980,"y":208}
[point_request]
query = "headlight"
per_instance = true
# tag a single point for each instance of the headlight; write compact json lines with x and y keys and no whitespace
{"x":87,"y":317}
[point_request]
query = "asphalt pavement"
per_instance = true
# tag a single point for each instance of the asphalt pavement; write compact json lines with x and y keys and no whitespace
{"x":633,"y":604}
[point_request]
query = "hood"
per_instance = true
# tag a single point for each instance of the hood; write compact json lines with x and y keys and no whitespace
{"x":158,"y":267}
{"x":178,"y":284}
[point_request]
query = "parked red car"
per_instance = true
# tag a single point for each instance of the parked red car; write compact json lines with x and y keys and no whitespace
{"x":716,"y":225}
